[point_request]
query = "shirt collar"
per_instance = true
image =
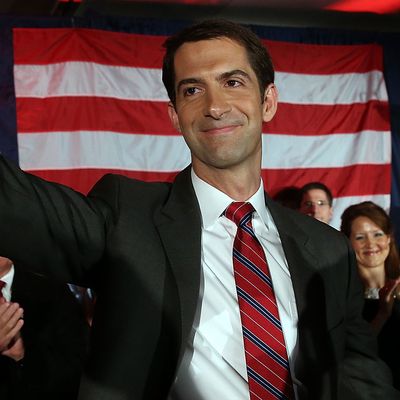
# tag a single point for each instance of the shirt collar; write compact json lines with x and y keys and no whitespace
{"x":213,"y":202}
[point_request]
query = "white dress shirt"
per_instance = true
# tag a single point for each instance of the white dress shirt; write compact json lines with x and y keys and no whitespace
{"x":213,"y":365}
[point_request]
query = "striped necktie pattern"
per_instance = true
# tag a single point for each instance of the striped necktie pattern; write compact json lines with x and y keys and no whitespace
{"x":266,"y":356}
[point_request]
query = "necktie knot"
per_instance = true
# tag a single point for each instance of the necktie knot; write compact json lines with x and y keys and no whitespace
{"x":239,"y":212}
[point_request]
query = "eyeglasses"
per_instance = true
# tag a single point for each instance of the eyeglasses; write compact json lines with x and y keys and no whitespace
{"x":318,"y":203}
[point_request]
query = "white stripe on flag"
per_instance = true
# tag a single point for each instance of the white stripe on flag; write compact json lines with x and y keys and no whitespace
{"x":331,"y":89}
{"x":65,"y":150}
{"x":91,"y":79}
{"x":336,"y":150}
{"x":94,"y":149}
{"x":88,"y":79}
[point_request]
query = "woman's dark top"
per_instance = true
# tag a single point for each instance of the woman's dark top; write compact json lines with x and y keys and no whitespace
{"x":389,"y":337}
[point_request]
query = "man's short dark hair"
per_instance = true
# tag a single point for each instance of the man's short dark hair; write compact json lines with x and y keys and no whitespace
{"x":317,"y":185}
{"x":257,"y":53}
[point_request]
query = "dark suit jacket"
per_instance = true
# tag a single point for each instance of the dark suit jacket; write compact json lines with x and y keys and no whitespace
{"x":55,"y":336}
{"x":139,"y":245}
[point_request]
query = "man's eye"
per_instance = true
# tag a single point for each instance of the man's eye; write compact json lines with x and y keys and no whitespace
{"x":190,"y":91}
{"x":233,"y":83}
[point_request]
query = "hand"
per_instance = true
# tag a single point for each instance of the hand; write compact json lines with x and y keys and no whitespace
{"x":10,"y":323}
{"x":16,"y":349}
{"x":387,"y":295}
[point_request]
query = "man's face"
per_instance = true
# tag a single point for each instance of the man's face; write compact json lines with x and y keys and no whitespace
{"x":316,"y":204}
{"x":218,"y":108}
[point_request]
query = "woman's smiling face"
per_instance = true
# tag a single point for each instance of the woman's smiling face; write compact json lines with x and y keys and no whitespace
{"x":370,"y":243}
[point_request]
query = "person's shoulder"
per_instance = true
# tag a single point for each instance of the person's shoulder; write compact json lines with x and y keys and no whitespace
{"x":113,"y":188}
{"x":326,"y":244}
{"x":126,"y":181}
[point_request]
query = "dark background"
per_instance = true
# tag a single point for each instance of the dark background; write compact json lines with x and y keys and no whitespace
{"x":378,"y":15}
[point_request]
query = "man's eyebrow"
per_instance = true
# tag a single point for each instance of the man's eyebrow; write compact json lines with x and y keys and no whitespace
{"x":223,"y":76}
{"x":234,"y":72}
{"x":188,"y":81}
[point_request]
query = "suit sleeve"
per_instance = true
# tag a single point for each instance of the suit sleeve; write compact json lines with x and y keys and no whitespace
{"x":49,"y":227}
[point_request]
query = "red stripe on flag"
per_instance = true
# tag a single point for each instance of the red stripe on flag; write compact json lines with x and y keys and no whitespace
{"x":356,"y":180}
{"x":148,"y":117}
{"x":306,"y":119}
{"x":365,"y":179}
{"x":324,"y":59}
{"x":55,"y":45}
{"x":93,"y":114}
{"x":83,"y":180}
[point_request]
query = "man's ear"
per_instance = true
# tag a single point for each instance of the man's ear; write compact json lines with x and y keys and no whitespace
{"x":173,"y":116}
{"x":270,"y":104}
{"x":330,"y":214}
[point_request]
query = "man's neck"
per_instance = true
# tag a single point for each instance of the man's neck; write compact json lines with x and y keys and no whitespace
{"x":238,"y":184}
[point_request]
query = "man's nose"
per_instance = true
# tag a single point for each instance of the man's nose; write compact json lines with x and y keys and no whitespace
{"x":313,"y":209}
{"x":216,"y":104}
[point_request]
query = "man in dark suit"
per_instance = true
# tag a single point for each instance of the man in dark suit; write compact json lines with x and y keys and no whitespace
{"x":42,"y":358}
{"x":159,"y":255}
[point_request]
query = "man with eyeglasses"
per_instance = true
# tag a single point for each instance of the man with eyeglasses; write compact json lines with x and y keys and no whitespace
{"x":316,"y":201}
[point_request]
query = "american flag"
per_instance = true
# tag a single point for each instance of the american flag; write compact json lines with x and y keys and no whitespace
{"x":91,"y":101}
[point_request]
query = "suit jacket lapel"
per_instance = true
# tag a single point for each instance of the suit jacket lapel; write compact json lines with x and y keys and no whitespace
{"x":179,"y":225}
{"x":316,"y":316}
{"x":299,"y":254}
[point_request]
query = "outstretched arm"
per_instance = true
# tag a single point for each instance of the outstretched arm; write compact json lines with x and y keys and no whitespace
{"x":54,"y":225}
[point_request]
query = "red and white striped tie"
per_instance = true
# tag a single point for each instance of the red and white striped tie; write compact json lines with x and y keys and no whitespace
{"x":266,"y":356}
